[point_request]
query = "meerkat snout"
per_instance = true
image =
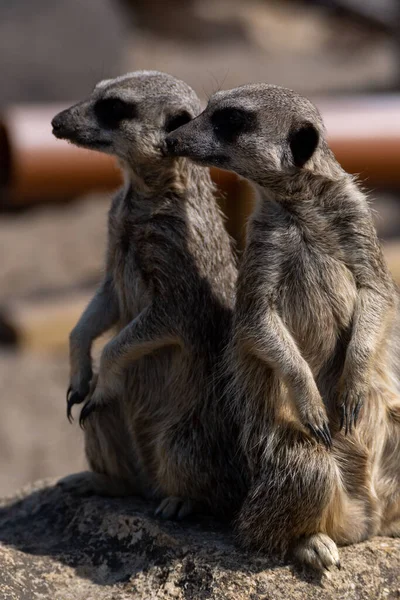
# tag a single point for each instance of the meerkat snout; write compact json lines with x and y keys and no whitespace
{"x":62,"y":124}
{"x":79,"y":126}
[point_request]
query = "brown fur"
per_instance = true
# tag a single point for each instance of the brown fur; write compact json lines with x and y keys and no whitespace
{"x":313,"y":331}
{"x":157,"y":415}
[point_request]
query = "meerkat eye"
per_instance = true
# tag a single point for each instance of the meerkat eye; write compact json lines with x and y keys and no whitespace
{"x":174,"y":121}
{"x":229,"y":123}
{"x":111,"y":111}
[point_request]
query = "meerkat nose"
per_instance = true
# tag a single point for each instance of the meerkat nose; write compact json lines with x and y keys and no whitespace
{"x":171,"y":144}
{"x":56,"y":122}
{"x":58,"y":125}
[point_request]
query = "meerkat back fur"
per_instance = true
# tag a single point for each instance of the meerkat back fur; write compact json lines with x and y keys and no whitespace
{"x":312,"y":350}
{"x":155,"y":418}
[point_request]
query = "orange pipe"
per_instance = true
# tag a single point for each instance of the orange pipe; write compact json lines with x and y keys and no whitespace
{"x":363,"y":132}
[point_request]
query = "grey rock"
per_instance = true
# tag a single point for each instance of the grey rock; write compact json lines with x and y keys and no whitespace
{"x":59,"y":547}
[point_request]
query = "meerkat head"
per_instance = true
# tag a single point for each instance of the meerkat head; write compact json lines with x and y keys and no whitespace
{"x":130,"y":116}
{"x":256,"y":130}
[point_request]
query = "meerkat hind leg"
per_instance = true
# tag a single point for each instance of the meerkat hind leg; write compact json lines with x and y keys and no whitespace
{"x":174,"y":507}
{"x":91,"y":483}
{"x":318,"y":551}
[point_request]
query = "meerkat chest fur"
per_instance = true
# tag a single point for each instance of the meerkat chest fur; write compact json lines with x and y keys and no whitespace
{"x":131,"y":288}
{"x":297,"y":254}
{"x":172,"y":248}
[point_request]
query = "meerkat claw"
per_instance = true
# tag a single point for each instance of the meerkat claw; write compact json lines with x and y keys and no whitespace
{"x":350,"y":411}
{"x":357,"y":412}
{"x":72,"y":398}
{"x":342,"y":416}
{"x":69,"y":413}
{"x":69,"y":406}
{"x":346,"y":426}
{"x":85,"y":412}
{"x":321,"y":435}
{"x":325,"y":436}
{"x":313,"y":430}
{"x":328,"y":436}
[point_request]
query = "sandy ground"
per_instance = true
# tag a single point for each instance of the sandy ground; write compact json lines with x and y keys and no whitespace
{"x":45,"y":254}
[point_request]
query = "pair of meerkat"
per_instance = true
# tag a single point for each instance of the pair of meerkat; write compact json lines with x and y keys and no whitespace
{"x":154,"y":415}
{"x":312,"y":353}
{"x":311,"y":340}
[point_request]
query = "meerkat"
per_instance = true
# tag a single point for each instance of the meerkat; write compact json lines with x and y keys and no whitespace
{"x":154,"y":416}
{"x":312,"y":349}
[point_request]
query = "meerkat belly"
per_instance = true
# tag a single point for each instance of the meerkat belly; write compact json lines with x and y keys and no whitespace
{"x":316,"y":301}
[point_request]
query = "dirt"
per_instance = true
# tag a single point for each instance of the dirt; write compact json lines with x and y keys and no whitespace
{"x":46,"y":253}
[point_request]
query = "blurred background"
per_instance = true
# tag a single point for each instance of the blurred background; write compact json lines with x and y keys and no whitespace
{"x":344,"y":54}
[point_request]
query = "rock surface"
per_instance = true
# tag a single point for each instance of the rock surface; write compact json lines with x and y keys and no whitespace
{"x":55,"y":546}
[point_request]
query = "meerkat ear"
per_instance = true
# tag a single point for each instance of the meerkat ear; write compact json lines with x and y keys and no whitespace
{"x":303,"y":142}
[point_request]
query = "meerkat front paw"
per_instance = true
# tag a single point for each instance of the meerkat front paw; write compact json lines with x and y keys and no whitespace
{"x":318,"y":551}
{"x":97,"y":399}
{"x":174,"y":507}
{"x":315,"y":419}
{"x":79,"y":388}
{"x":106,"y":386}
{"x":351,"y":400}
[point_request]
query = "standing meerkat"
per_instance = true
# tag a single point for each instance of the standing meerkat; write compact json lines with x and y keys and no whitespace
{"x":155,"y":418}
{"x":312,"y":349}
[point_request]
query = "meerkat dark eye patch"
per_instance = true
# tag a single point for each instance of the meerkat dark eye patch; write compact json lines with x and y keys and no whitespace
{"x":177,"y":120}
{"x":111,"y":111}
{"x":303,"y":142}
{"x":229,"y":123}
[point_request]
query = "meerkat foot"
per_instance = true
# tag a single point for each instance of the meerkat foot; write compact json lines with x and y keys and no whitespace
{"x":321,"y":434}
{"x":89,"y":483}
{"x":87,"y":410}
{"x":318,"y":551}
{"x":315,"y":419}
{"x":81,"y":385}
{"x":350,"y":410}
{"x":174,"y":507}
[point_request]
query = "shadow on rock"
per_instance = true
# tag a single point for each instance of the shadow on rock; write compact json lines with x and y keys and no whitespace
{"x":60,"y":547}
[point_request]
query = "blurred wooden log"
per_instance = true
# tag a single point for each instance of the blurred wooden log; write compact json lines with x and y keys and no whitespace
{"x":364,"y":133}
{"x":36,"y":167}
